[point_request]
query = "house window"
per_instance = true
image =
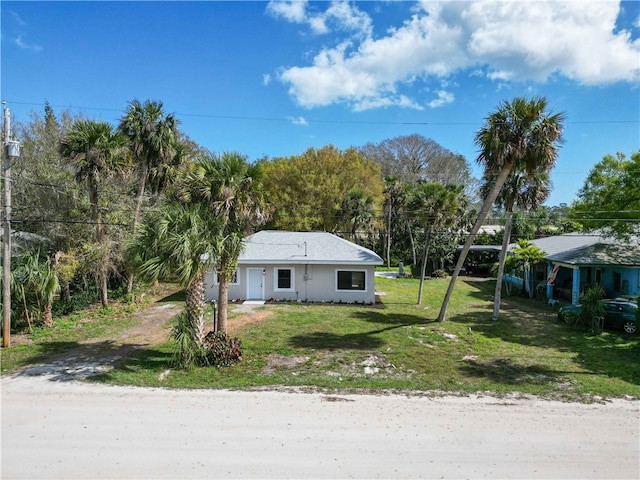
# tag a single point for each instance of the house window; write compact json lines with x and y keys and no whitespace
{"x":352,"y":280}
{"x":284,"y":279}
{"x":232,"y":280}
{"x":617,"y":281}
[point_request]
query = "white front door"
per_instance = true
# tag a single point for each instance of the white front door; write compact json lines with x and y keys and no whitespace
{"x":255,"y":284}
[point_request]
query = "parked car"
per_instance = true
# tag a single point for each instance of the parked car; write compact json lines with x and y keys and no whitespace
{"x":628,"y":298}
{"x":618,"y":314}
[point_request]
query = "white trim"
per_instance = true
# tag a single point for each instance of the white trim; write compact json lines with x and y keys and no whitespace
{"x":292,"y":288}
{"x":366,"y":282}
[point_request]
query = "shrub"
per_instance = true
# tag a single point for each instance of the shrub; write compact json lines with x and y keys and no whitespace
{"x":222,"y":350}
{"x":592,"y":313}
{"x":78,"y":301}
{"x":217,"y":350}
{"x":439,"y":274}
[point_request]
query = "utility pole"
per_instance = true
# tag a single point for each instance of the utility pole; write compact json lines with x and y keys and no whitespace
{"x":6,"y":233}
{"x":10,"y":150}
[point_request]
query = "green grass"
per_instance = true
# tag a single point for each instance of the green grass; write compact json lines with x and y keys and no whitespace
{"x":398,"y":346}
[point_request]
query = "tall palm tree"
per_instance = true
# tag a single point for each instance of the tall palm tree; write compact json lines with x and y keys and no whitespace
{"x":526,"y":192}
{"x":436,"y":207}
{"x":520,"y":134}
{"x":152,"y":140}
{"x":357,"y":212}
{"x":230,"y":187}
{"x":96,"y":151}
{"x":180,"y":240}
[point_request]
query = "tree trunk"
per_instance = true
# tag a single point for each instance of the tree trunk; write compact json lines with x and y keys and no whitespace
{"x":413,"y":245}
{"x":427,"y":244}
{"x":486,"y":206}
{"x":389,"y":238}
{"x":223,"y":289}
{"x":47,"y":316}
{"x":196,"y":304}
{"x":503,"y":255}
{"x":142,"y":180}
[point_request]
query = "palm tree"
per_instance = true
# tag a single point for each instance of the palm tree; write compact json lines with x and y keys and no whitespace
{"x":357,"y":211}
{"x":526,"y":255}
{"x":96,"y":151}
{"x":520,"y":134}
{"x":152,"y":140}
{"x":229,"y":186}
{"x":179,"y":240}
{"x":525,"y":192}
{"x":435,"y":206}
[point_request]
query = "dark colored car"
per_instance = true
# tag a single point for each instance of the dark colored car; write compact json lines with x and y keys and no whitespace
{"x":618,"y":314}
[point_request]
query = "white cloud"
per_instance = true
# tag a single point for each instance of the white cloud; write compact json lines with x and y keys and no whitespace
{"x":18,"y":19}
{"x":291,"y":10}
{"x":444,"y":98}
{"x":340,"y":15}
{"x":507,"y":41}
{"x":20,"y":42}
{"x":266,"y":79}
{"x":298,"y":120}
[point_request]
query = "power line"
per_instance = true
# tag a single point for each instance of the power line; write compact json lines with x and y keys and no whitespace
{"x":330,"y":121}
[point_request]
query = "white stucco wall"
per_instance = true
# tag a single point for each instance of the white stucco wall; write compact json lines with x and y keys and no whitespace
{"x":313,"y":283}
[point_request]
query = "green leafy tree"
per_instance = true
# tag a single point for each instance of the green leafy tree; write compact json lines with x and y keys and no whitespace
{"x":306,"y":191}
{"x":47,"y":201}
{"x":96,"y":152}
{"x":520,"y":134}
{"x":610,"y":197}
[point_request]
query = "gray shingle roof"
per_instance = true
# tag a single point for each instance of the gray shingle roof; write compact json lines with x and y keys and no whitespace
{"x":590,"y":249}
{"x":270,"y":247}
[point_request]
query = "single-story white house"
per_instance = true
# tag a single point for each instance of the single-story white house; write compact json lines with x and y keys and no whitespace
{"x":305,"y":266}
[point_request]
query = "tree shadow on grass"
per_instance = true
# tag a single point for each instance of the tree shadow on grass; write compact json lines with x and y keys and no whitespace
{"x":332,"y":341}
{"x":381,"y":318}
{"x":504,"y":370}
{"x":614,"y":354}
{"x":365,"y":340}
{"x":175,"y":297}
{"x":151,"y":360}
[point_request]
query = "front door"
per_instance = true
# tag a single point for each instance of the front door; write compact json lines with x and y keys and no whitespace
{"x":255,"y":284}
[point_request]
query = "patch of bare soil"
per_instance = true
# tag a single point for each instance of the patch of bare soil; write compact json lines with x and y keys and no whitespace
{"x":250,"y":316}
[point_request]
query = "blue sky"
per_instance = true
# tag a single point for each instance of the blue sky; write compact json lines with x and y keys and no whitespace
{"x":275,"y":78}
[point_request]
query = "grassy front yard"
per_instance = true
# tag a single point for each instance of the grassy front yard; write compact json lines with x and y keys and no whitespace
{"x":398,"y":346}
{"x":394,"y":346}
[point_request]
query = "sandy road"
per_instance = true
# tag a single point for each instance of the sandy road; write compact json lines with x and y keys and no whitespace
{"x":57,"y":429}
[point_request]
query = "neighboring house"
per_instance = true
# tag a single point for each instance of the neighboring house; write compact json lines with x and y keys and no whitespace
{"x":306,"y":266}
{"x":583,"y":260}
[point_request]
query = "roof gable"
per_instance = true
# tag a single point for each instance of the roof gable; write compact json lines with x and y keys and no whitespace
{"x":270,"y":247}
